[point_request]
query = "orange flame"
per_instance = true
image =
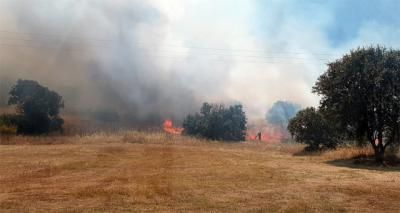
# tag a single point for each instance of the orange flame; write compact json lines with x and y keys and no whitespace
{"x":253,"y":136}
{"x":269,"y":133}
{"x":169,"y":128}
{"x":270,"y":137}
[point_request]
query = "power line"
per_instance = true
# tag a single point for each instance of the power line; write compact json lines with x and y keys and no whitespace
{"x":66,"y":45}
{"x":110,"y":41}
{"x":75,"y":46}
{"x":182,"y":57}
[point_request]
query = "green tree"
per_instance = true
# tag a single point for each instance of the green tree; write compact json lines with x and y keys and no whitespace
{"x":216,"y":122}
{"x":37,"y":106}
{"x":361,"y":92}
{"x":311,"y":128}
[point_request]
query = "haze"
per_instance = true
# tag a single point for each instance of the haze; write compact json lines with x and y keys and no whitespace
{"x":161,"y":59}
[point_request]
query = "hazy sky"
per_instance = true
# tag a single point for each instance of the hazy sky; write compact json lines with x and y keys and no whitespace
{"x":187,"y":51}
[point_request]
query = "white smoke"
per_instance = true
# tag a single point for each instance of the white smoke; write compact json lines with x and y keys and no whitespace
{"x":156,"y":59}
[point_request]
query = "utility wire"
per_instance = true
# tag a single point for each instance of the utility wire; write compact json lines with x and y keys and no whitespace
{"x":76,"y":46}
{"x":109,"y":41}
{"x":186,"y":59}
{"x":183,"y":57}
{"x":49,"y":41}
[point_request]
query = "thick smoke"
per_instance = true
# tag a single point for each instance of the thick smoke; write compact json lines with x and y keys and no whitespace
{"x":156,"y":59}
{"x":89,"y":52}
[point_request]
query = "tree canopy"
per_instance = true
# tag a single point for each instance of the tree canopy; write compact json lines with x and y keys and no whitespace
{"x":37,"y":106}
{"x":216,"y":122}
{"x":361,"y":92}
{"x":311,"y":128}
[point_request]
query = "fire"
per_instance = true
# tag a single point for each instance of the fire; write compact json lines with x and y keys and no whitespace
{"x":266,"y":136}
{"x":269,"y":133}
{"x":169,"y":128}
{"x":253,"y":136}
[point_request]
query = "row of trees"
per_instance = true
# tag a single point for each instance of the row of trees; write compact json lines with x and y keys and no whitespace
{"x":360,"y":100}
{"x":38,"y":111}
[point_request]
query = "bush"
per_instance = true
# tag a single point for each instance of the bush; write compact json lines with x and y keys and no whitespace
{"x":311,"y":128}
{"x":216,"y":122}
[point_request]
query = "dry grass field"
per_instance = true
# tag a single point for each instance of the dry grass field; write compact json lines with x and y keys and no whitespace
{"x":139,"y":172}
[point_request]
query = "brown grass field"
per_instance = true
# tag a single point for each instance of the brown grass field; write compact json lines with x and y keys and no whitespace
{"x":147,"y":172}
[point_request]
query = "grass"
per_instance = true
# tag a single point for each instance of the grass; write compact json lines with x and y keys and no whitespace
{"x":136,"y":172}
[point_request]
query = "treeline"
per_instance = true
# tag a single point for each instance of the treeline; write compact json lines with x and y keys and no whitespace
{"x":360,"y":100}
{"x":38,"y":108}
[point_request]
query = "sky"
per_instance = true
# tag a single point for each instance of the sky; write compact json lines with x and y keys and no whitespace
{"x":166,"y":57}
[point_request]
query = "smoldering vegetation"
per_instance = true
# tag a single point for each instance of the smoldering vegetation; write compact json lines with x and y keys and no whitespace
{"x":93,"y":60}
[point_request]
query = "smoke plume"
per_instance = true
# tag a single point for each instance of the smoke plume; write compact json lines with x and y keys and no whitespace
{"x":89,"y":52}
{"x":153,"y":60}
{"x":281,"y":112}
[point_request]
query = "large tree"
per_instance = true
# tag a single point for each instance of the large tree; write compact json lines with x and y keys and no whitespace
{"x":361,"y":93}
{"x":38,"y":107}
{"x":216,"y":122}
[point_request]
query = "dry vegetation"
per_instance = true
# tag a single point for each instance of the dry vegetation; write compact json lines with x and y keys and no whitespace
{"x":132,"y":171}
